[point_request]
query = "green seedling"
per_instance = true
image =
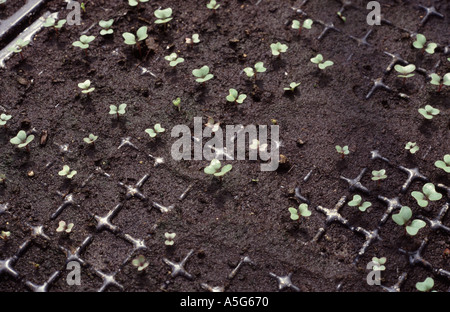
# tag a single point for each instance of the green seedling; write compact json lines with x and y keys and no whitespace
{"x":342,"y":17}
{"x":255,"y":145}
{"x":259,"y":68}
{"x":202,"y":74}
{"x":22,"y":140}
{"x":134,"y":3}
{"x":379,"y":263}
{"x":302,"y":211}
{"x":173,"y":59}
{"x":63,"y":227}
{"x":169,"y":238}
{"x":234,"y":96}
{"x":213,"y":125}
{"x":90,"y":139}
{"x":298,"y":25}
{"x":213,"y":5}
{"x":278,"y":48}
{"x":134,"y":40}
{"x":156,"y":129}
{"x":440,"y":82}
{"x":120,"y":110}
{"x":379,"y":175}
{"x":358,"y":202}
{"x":429,"y":111}
{"x":403,"y":218}
{"x":5,"y":235}
{"x":51,"y":22}
{"x":215,"y":168}
{"x":342,"y":150}
{"x":421,"y":43}
{"x":83,"y":7}
{"x":140,"y":262}
{"x":2,"y":2}
{"x":405,"y":71}
{"x":4,"y":119}
{"x":444,"y":164}
{"x":177,"y":103}
{"x":318,"y":59}
{"x":163,"y":16}
{"x":66,"y":172}
{"x":412,"y":147}
{"x":84,"y":42}
{"x":195,"y":39}
{"x":292,"y":86}
{"x":428,"y":194}
{"x":18,"y":47}
{"x":86,"y":87}
{"x":106,"y":27}
{"x":426,"y":285}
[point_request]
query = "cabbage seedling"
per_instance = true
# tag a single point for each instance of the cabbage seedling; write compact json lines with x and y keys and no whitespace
{"x":259,"y":68}
{"x":255,"y":145}
{"x":130,"y":39}
{"x":164,"y":16}
{"x":405,"y":71}
{"x":412,"y":147}
{"x":86,"y":87}
{"x":22,"y":139}
{"x":292,"y":86}
{"x":213,"y":5}
{"x":84,"y":42}
{"x":379,"y":175}
{"x":63,"y":227}
{"x":420,"y":43}
{"x":90,"y":139}
{"x":114,"y":110}
{"x":440,"y":82}
{"x":2,"y":2}
{"x":234,"y":96}
{"x":51,"y":22}
{"x":177,"y":103}
{"x":66,"y":172}
{"x":156,"y":129}
{"x":134,"y":3}
{"x":169,"y":238}
{"x":403,"y":218}
{"x":202,"y":74}
{"x":342,"y":150}
{"x":379,"y":263}
{"x":302,"y":211}
{"x":173,"y":59}
{"x":5,"y":234}
{"x":318,"y":59}
{"x":428,"y":194}
{"x":18,"y":47}
{"x":106,"y":27}
{"x":4,"y":119}
{"x":429,"y":111}
{"x":278,"y":48}
{"x":215,"y":168}
{"x":444,"y":164}
{"x":426,"y":285}
{"x":298,"y":25}
{"x":358,"y":202}
{"x":140,"y":262}
{"x":195,"y":39}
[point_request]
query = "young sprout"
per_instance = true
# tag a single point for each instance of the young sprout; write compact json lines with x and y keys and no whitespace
{"x":440,"y":82}
{"x":426,"y":285}
{"x":403,"y":218}
{"x":259,"y":68}
{"x":342,"y":150}
{"x":428,"y":194}
{"x":298,"y":25}
{"x":429,"y":111}
{"x":114,"y":110}
{"x":63,"y":227}
{"x":140,"y":262}
{"x":292,"y":86}
{"x":405,"y":71}
{"x":2,"y":2}
{"x":210,"y":124}
{"x":5,"y":235}
{"x":342,"y":17}
{"x":134,"y":3}
{"x":51,"y":22}
{"x":420,"y":44}
{"x":379,"y":263}
{"x":255,"y":145}
{"x":130,"y":39}
{"x":106,"y":27}
{"x":213,"y":5}
{"x":302,"y":211}
{"x":66,"y":172}
{"x":22,"y":139}
{"x":4,"y":119}
{"x":190,"y":41}
{"x":83,"y":43}
{"x":202,"y":74}
{"x":379,"y":175}
{"x":234,"y":96}
{"x":173,"y":59}
{"x":412,"y":147}
{"x":444,"y":164}
{"x":18,"y":47}
{"x":156,"y":129}
{"x":90,"y":139}
{"x":318,"y":59}
{"x":83,"y":6}
{"x":358,"y":202}
{"x":86,"y":87}
{"x":169,"y":238}
{"x":278,"y":48}
{"x":177,"y":103}
{"x":164,"y":16}
{"x":215,"y":166}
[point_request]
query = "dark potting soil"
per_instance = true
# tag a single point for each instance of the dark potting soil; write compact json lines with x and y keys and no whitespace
{"x":246,"y":212}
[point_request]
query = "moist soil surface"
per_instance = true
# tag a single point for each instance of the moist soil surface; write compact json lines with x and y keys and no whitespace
{"x":245,"y":213}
